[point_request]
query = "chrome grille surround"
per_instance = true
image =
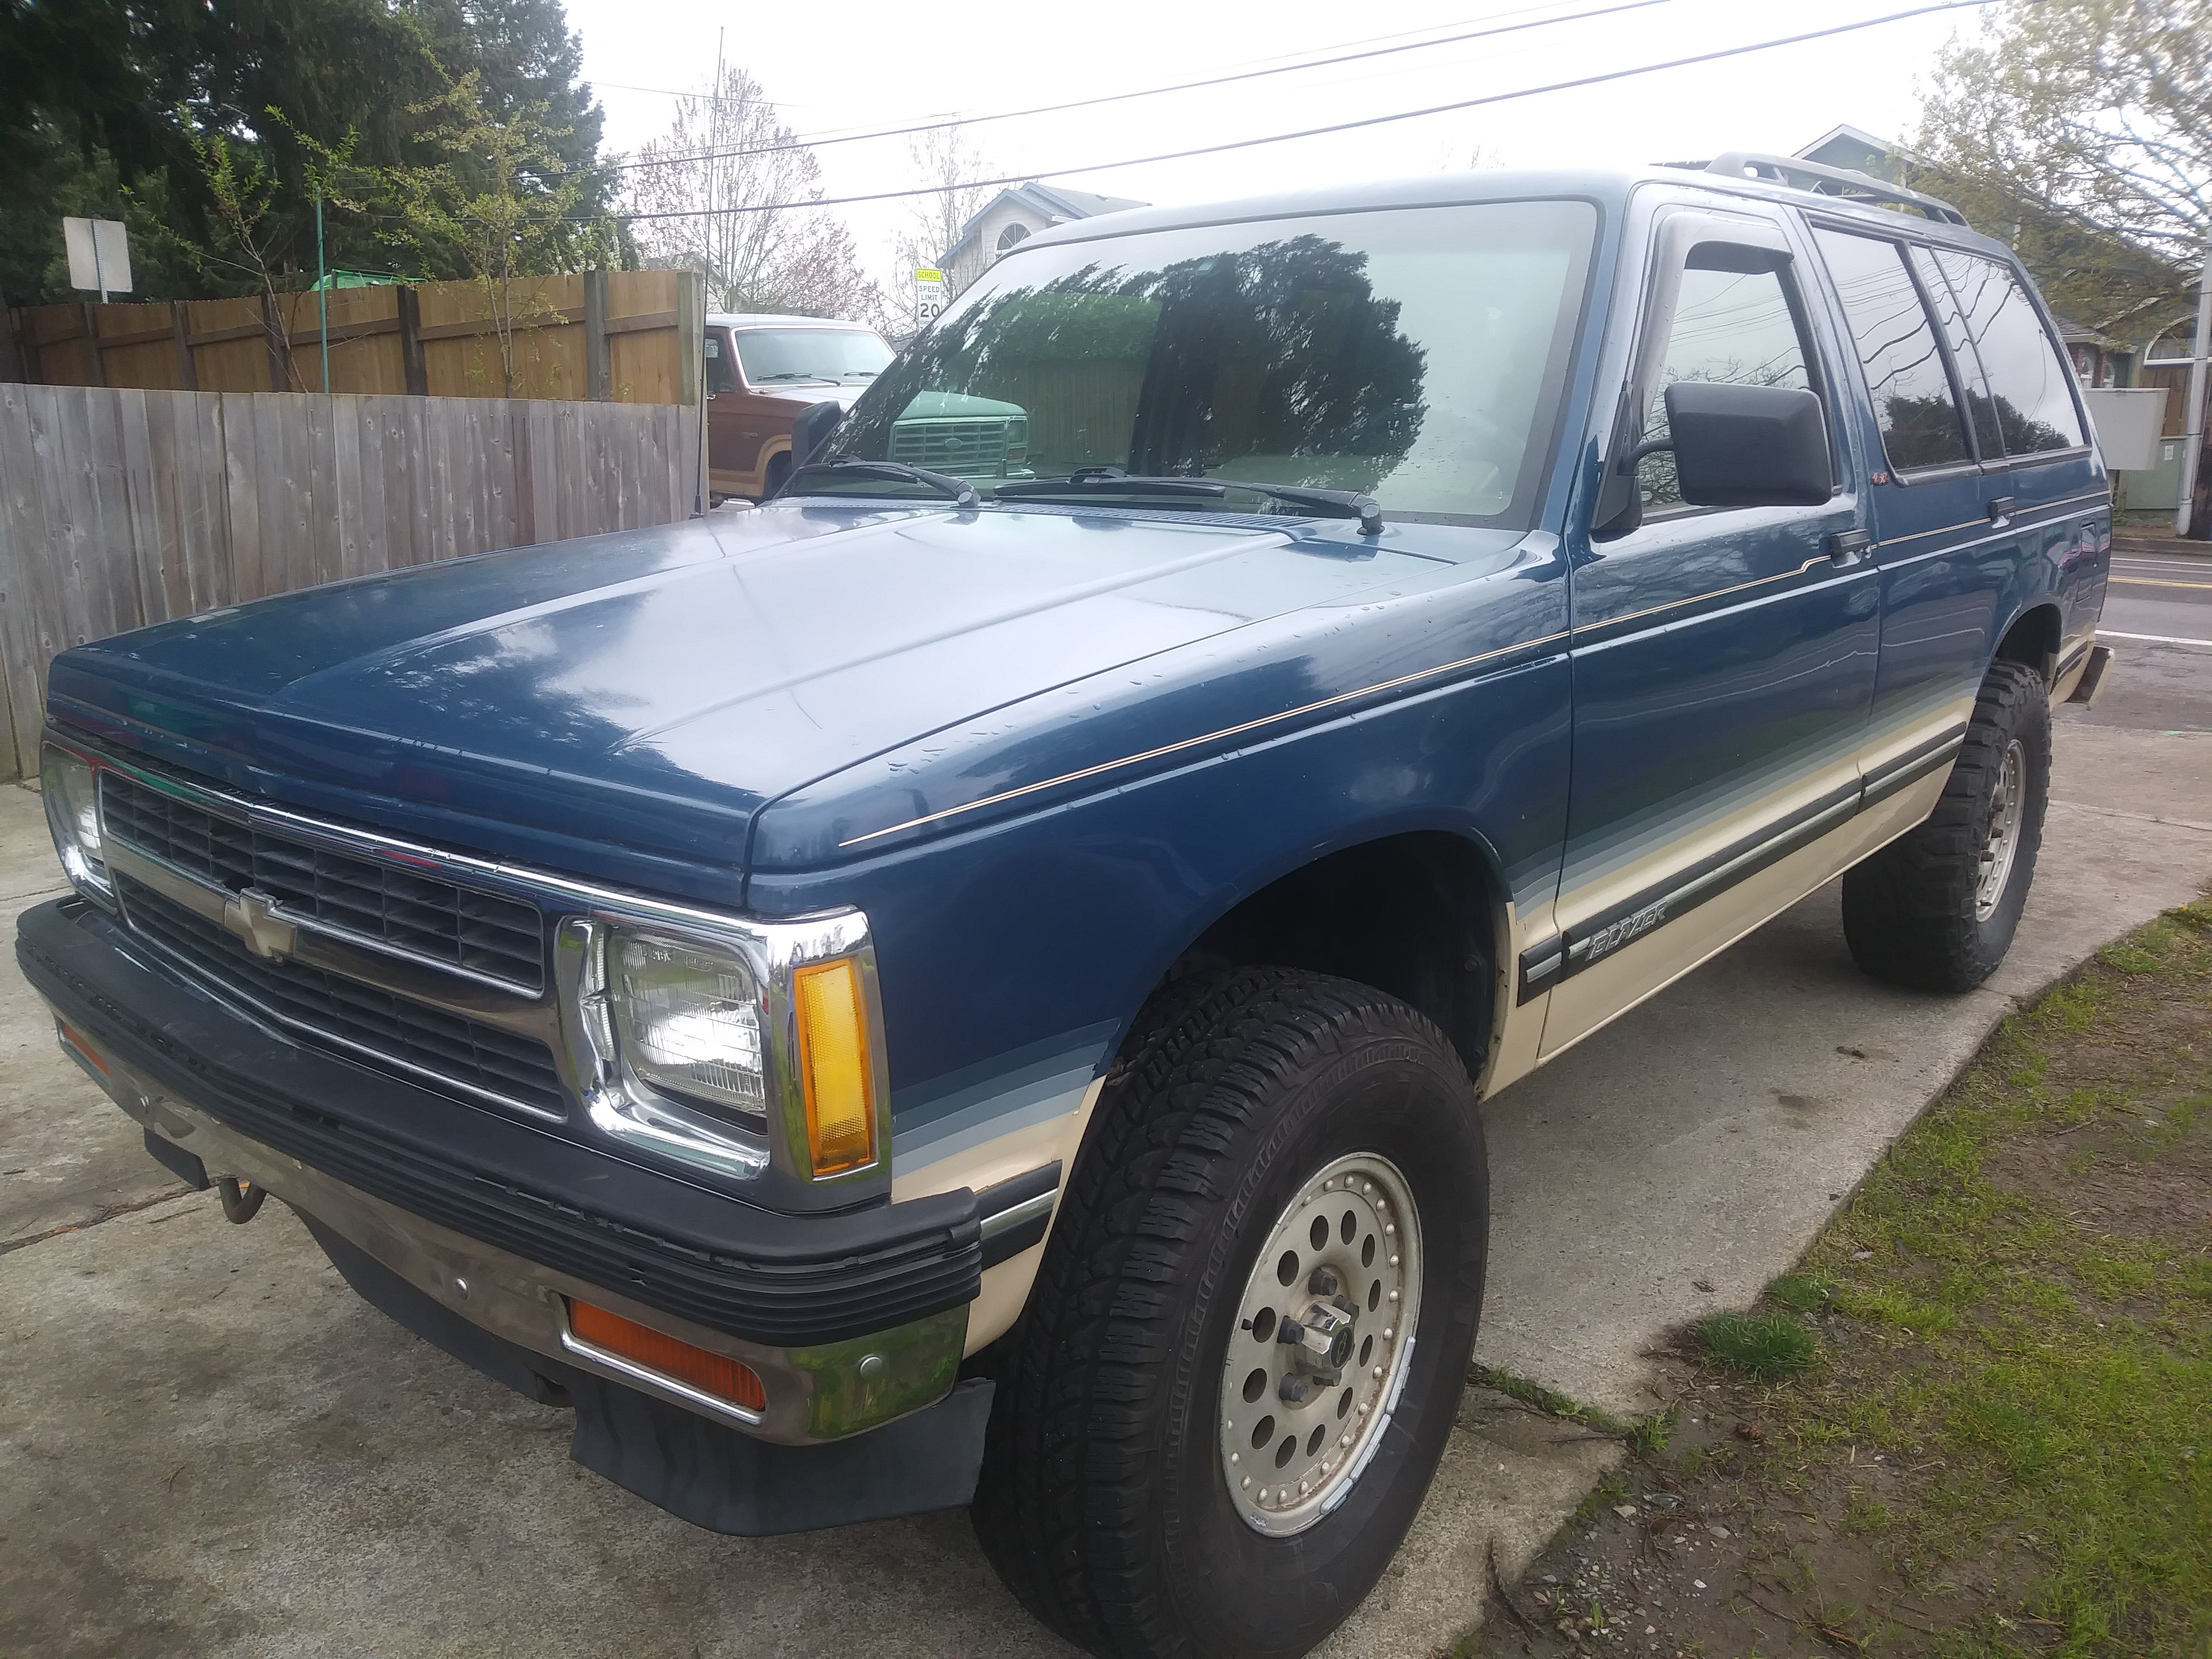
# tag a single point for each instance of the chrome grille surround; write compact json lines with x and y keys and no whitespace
{"x":596,"y":1098}
{"x":408,"y":912}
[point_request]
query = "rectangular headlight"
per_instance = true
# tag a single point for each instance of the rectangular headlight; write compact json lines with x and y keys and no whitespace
{"x":688,"y":1020}
{"x":72,"y":801}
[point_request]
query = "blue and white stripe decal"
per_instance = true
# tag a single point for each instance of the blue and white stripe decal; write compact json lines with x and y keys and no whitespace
{"x":1010,"y":1091}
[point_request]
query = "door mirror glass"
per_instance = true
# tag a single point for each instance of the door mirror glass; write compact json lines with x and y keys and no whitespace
{"x":1747,"y":446}
{"x":810,"y":428}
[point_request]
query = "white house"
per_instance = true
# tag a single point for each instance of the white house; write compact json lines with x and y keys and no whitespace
{"x":1012,"y":216}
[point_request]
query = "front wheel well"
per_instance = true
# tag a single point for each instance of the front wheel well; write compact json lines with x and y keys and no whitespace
{"x":1414,"y":915}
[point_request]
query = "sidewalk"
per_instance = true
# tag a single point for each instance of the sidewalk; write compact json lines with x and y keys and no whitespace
{"x":2125,"y":541}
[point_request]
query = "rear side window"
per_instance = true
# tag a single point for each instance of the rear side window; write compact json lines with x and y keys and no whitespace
{"x":1921,"y":425}
{"x":1735,"y":326}
{"x":1967,"y":361}
{"x":2028,"y":375}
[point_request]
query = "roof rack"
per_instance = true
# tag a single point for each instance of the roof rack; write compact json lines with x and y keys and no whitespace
{"x":1792,"y":173}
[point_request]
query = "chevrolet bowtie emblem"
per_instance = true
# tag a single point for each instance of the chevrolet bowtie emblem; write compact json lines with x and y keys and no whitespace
{"x":251,"y":915}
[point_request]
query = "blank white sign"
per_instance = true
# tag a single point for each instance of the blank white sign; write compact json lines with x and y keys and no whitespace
{"x":99,"y":255}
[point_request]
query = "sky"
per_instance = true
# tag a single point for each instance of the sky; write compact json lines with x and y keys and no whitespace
{"x":865,"y":65}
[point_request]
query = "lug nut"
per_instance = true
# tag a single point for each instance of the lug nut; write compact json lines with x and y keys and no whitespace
{"x":1295,"y":1390}
{"x":1325,"y":1282}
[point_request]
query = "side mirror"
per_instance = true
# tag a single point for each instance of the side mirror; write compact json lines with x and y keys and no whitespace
{"x":810,"y":428}
{"x":1747,"y":445}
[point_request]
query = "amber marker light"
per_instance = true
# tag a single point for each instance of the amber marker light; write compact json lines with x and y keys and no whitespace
{"x":711,"y":1373}
{"x":833,"y":1053}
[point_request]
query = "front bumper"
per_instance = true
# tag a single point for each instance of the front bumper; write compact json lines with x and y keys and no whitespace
{"x":474,"y":1221}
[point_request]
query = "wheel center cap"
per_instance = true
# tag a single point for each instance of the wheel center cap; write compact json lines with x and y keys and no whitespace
{"x":1320,"y":1338}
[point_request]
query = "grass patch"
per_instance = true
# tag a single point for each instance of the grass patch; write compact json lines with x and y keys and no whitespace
{"x":1977,"y":1420}
{"x":1799,"y":1292}
{"x":1759,"y":1344}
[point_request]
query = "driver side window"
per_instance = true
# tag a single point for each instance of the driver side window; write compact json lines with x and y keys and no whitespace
{"x":1736,"y":326}
{"x":719,"y":378}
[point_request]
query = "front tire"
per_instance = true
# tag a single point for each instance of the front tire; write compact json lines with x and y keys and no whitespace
{"x":1260,"y":1117}
{"x":1935,"y":909}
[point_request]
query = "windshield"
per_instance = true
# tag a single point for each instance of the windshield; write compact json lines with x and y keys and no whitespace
{"x":1416,"y":354}
{"x":780,"y":355}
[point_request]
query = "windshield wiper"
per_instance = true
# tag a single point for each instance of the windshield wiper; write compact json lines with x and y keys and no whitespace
{"x":1112,"y":481}
{"x":962,"y":493}
{"x":790,"y":374}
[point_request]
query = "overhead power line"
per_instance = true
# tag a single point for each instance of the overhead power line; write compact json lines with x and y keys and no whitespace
{"x":797,"y":143}
{"x":1338,"y":126}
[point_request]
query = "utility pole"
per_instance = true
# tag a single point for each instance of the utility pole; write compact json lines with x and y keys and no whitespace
{"x":2193,"y":445}
{"x":707,"y":276}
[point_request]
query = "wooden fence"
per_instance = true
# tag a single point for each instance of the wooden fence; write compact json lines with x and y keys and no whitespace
{"x":626,"y":337}
{"x":122,"y":508}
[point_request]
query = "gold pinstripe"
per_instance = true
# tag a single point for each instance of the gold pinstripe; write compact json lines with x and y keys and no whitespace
{"x":1977,"y":523}
{"x":1210,"y":736}
{"x":1718,"y":592}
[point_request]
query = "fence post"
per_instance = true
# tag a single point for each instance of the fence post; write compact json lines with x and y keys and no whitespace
{"x":279,"y":341}
{"x":410,"y":342}
{"x":11,"y":357}
{"x":598,"y":370}
{"x":96,"y":365}
{"x":181,"y":325}
{"x":690,"y":350}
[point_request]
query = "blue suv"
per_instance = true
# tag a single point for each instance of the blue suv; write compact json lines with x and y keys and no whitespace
{"x":976,"y":989}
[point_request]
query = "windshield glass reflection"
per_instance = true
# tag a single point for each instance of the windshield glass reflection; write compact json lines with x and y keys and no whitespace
{"x":1413,"y":355}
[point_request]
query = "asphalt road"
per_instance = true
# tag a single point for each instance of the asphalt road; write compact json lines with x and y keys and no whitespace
{"x":2157,"y":616}
{"x":210,"y":1447}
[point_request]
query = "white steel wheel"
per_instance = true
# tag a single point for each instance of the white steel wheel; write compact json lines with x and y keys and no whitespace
{"x":1323,"y":1345}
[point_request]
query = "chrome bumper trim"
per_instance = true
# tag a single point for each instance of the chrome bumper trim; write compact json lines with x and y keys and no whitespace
{"x":813,"y":1394}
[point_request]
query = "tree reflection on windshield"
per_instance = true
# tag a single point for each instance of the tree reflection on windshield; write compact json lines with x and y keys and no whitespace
{"x":1413,"y":360}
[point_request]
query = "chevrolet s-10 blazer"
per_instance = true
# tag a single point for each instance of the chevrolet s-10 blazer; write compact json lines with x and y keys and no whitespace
{"x":975,"y":988}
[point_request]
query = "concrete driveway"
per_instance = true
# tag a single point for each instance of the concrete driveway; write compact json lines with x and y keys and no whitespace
{"x":207,"y":1445}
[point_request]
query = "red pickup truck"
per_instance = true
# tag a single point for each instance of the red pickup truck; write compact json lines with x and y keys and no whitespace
{"x":762,"y":370}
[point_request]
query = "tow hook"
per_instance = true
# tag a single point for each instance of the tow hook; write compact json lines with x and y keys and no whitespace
{"x":241,"y":1200}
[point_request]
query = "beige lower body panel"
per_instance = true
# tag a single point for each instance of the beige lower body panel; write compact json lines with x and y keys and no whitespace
{"x":1005,"y":1285}
{"x":753,"y":484}
{"x":1587,"y":1002}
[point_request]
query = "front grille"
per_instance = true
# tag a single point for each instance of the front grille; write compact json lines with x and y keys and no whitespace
{"x":420,"y":914}
{"x":447,"y":1046}
{"x":971,"y":449}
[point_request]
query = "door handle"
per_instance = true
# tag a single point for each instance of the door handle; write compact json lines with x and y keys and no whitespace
{"x":1846,"y":546}
{"x":2001,"y":510}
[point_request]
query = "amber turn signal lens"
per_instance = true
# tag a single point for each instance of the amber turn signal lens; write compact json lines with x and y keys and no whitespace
{"x":711,"y":1373}
{"x":833,"y":1052}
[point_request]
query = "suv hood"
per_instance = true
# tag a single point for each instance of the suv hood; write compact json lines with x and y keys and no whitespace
{"x":652,"y":691}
